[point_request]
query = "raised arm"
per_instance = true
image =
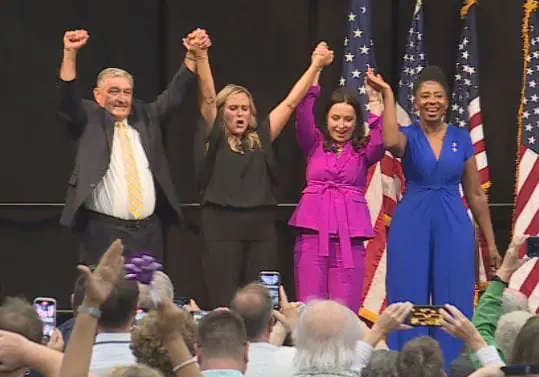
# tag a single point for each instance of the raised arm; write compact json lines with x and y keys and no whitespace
{"x":170,"y":99}
{"x":280,"y":115}
{"x":98,"y":286}
{"x":375,"y":148}
{"x":394,"y":139}
{"x":71,"y":108}
{"x":197,"y":44}
{"x":306,"y":132}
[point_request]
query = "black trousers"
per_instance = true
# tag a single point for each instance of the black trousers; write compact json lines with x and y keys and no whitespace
{"x":239,"y":244}
{"x":136,"y":235}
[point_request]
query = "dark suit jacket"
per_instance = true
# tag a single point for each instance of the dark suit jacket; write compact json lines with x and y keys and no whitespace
{"x":93,"y":129}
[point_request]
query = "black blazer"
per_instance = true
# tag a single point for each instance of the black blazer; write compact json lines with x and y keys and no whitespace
{"x":93,"y":129}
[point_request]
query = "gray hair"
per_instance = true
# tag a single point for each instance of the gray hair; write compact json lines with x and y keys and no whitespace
{"x":513,"y":300}
{"x":113,"y":72}
{"x":507,"y":330}
{"x":383,"y":363}
{"x":325,"y":336}
{"x":162,"y":284}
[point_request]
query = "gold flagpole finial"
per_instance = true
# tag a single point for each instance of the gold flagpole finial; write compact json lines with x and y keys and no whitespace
{"x":466,"y":7}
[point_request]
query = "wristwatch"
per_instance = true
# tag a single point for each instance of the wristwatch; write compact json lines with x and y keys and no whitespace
{"x":497,"y":278}
{"x":93,"y":312}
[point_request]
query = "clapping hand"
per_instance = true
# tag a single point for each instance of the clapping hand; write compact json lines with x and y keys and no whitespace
{"x":198,"y":42}
{"x":99,"y":284}
{"x":75,"y":39}
{"x":322,"y":56}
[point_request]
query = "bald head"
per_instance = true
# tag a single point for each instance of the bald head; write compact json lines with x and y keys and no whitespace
{"x":326,"y":336}
{"x":253,"y":303}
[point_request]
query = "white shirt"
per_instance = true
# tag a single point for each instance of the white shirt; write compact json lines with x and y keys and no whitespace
{"x":111,"y":350}
{"x":268,"y":360}
{"x":110,"y":196}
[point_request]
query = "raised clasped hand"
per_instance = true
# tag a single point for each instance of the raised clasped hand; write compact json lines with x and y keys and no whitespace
{"x":197,"y":42}
{"x":322,"y":56}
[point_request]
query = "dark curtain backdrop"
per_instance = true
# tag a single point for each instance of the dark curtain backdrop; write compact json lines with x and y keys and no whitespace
{"x":263,"y":45}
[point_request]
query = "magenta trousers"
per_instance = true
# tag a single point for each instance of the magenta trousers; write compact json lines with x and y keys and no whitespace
{"x":325,"y":277}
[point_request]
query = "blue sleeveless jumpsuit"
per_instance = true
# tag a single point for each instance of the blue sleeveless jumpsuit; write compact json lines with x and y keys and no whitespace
{"x":431,"y":244}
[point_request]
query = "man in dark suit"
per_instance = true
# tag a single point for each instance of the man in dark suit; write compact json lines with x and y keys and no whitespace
{"x":121,"y":175}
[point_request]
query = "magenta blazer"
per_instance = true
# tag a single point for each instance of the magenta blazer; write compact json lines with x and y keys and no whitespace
{"x":333,"y":203}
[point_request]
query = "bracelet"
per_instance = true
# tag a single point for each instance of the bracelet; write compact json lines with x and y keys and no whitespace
{"x":184,"y":364}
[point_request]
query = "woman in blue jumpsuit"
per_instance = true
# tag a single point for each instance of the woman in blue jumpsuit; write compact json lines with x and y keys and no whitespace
{"x":431,"y":243}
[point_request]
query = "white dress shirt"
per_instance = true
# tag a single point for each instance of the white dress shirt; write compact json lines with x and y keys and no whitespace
{"x":110,"y":196}
{"x":109,"y":351}
{"x":268,"y":360}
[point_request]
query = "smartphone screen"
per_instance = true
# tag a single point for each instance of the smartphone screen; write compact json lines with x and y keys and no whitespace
{"x":182,"y":302}
{"x":532,"y":247}
{"x":46,"y":309}
{"x":272,"y":280}
{"x":425,"y":315}
{"x":520,"y":369}
{"x":198,"y":315}
{"x":141,"y":313}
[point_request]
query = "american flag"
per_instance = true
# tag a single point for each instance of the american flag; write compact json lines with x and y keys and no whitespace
{"x":526,"y":215}
{"x":466,"y":112}
{"x":415,"y":59}
{"x":358,"y":57}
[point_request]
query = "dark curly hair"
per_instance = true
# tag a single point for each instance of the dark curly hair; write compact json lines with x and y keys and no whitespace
{"x":359,"y":139}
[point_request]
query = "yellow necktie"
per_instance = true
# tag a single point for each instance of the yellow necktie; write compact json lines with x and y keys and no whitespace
{"x":134,"y":188}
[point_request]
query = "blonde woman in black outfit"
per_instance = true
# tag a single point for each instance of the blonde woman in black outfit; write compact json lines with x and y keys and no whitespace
{"x":236,"y":171}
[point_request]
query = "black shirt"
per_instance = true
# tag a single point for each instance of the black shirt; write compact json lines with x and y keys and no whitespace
{"x":238,"y":180}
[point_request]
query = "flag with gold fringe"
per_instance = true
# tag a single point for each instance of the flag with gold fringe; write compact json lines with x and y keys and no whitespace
{"x":526,"y":210}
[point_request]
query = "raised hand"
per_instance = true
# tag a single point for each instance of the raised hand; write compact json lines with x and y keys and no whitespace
{"x":512,"y":261}
{"x":170,"y":320}
{"x":99,"y":284}
{"x":56,"y":342}
{"x":75,"y":39}
{"x":322,"y":56}
{"x":197,"y":42}
{"x":289,"y":313}
{"x":456,"y":324}
{"x":375,"y":82}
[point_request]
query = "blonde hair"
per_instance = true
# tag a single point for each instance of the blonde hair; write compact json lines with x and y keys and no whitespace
{"x":113,"y":72}
{"x":137,"y":370}
{"x":250,"y":135}
{"x":148,"y":348}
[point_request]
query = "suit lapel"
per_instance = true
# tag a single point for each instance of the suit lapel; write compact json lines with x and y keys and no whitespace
{"x":108,"y":125}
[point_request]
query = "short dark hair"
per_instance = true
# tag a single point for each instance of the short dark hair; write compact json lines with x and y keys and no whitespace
{"x":383,"y":363}
{"x":254,"y":305}
{"x":118,"y":310}
{"x":431,"y":73}
{"x":344,"y":95}
{"x":222,"y":333}
{"x":526,"y":348}
{"x":19,"y":316}
{"x":420,"y":357}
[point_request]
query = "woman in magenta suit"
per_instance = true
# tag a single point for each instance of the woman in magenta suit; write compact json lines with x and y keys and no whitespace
{"x":332,"y":217}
